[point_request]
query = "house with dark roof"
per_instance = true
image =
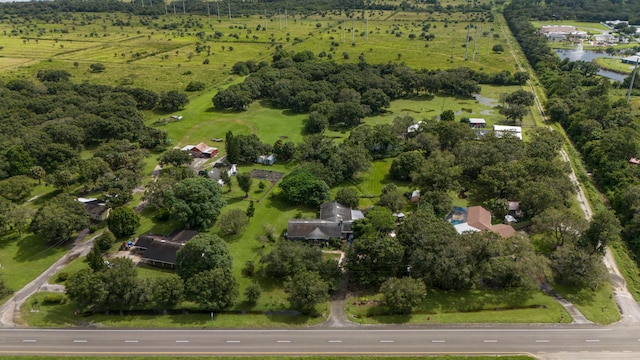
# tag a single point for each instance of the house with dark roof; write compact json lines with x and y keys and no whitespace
{"x":334,"y":223}
{"x":98,"y":211}
{"x":161,"y":250}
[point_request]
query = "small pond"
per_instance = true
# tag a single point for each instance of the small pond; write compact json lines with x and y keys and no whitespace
{"x":588,"y":55}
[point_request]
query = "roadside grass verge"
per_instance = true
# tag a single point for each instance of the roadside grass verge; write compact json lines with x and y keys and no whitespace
{"x":628,"y":266}
{"x":62,"y":315}
{"x":598,"y":305}
{"x":440,"y":307}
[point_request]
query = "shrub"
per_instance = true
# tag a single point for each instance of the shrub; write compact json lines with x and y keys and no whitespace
{"x":195,"y":86}
{"x":53,"y":299}
{"x":62,"y":276}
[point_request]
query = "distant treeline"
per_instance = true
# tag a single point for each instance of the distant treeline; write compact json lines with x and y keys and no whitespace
{"x":587,"y":10}
{"x":159,"y":7}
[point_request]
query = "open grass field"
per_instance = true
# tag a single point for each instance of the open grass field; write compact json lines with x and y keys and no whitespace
{"x":464,"y":307}
{"x":590,"y":27}
{"x":614,"y":64}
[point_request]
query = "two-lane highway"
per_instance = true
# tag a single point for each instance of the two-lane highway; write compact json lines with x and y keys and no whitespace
{"x":535,"y":339}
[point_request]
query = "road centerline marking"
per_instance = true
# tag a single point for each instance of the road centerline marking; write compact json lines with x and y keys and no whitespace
{"x":542,"y":341}
{"x":79,"y":341}
{"x":233,"y":341}
{"x":387,"y":341}
{"x":182,"y":341}
{"x":438,"y":341}
{"x":335,"y":341}
{"x":131,"y":341}
{"x":284,"y":341}
{"x":28,"y":340}
{"x":490,"y":341}
{"x":592,"y":340}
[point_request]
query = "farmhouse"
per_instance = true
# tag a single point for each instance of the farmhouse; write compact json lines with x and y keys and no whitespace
{"x":334,"y":223}
{"x":476,"y":218}
{"x":97,"y":210}
{"x":502,"y":130}
{"x":631,"y":60}
{"x":201,"y":150}
{"x":413,"y":128}
{"x":161,"y":250}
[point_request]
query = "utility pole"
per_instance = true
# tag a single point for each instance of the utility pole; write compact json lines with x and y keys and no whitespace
{"x":475,"y":39}
{"x":466,"y":50}
{"x":366,"y":36}
{"x":265,"y":19}
{"x":229,"y":10}
{"x":280,"y":19}
{"x":174,"y":6}
{"x":218,"y":7}
{"x":165,"y":8}
{"x":184,"y":8}
{"x":488,"y":45}
{"x":208,"y":12}
{"x":353,"y":31}
{"x":286,"y":19}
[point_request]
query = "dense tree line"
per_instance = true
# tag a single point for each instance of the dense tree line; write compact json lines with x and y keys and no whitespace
{"x":48,"y":10}
{"x":342,"y":95}
{"x":604,"y":130}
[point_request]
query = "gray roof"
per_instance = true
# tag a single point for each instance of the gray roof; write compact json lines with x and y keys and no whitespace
{"x":162,"y":251}
{"x":313,"y":229}
{"x":334,"y":211}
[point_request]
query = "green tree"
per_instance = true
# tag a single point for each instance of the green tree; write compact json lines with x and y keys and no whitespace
{"x":195,"y":202}
{"x":316,"y":123}
{"x":20,"y":161}
{"x":203,"y":252}
{"x":306,"y":290}
{"x":448,"y":115}
{"x":104,"y":241}
{"x":401,"y":295}
{"x":348,"y":196}
{"x":577,"y":266}
{"x":392,"y":198}
{"x":123,"y":289}
{"x":370,"y":260}
{"x":376,"y":99}
{"x":301,"y":187}
{"x":604,"y":229}
{"x":252,"y":292}
{"x":233,"y":221}
{"x":226,"y":179}
{"x":95,"y":260}
{"x":498,"y":48}
{"x":86,"y":288}
{"x":5,"y":291}
{"x":59,"y":218}
{"x":560,"y":225}
{"x":168,"y":290}
{"x":175,"y":157}
{"x":214,"y":289}
{"x":405,"y":164}
{"x":171,"y":101}
{"x":244,"y":182}
{"x":37,"y":173}
{"x":97,"y":67}
{"x":123,"y":221}
{"x":16,"y":188}
{"x":251,"y":209}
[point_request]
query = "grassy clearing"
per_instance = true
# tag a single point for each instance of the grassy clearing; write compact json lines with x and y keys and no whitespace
{"x":614,"y":65}
{"x":592,"y":27}
{"x":464,"y":307}
{"x":25,"y":257}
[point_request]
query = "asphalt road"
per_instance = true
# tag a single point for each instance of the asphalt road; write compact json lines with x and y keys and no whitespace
{"x":543,"y":341}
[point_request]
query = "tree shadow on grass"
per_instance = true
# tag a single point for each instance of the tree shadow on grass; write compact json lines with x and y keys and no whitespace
{"x":33,"y":247}
{"x":41,"y":200}
{"x":8,"y":238}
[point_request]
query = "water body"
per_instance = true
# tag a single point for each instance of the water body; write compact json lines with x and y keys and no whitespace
{"x":588,"y":55}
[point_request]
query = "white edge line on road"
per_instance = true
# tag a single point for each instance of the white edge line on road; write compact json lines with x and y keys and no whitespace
{"x":29,"y":340}
{"x":563,"y":330}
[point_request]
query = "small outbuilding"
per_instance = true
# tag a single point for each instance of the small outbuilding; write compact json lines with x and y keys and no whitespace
{"x":266,"y":159}
{"x":477,"y":123}
{"x":504,"y":130}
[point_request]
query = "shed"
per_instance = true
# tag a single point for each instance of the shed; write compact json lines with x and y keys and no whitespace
{"x":477,"y":123}
{"x":415,"y":196}
{"x":502,"y":130}
{"x":266,"y":159}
